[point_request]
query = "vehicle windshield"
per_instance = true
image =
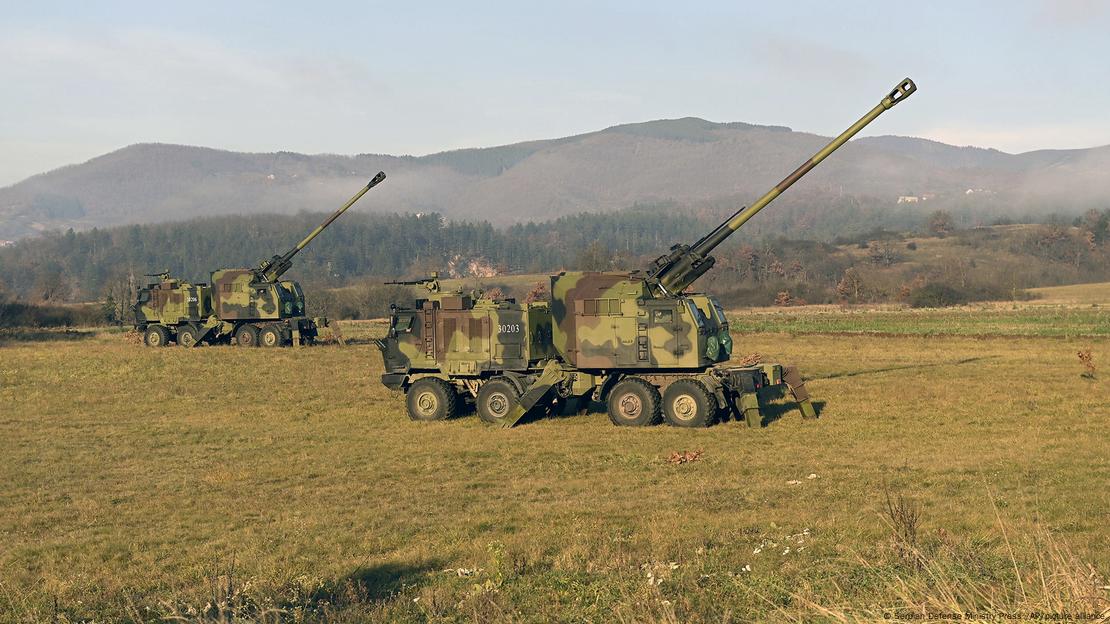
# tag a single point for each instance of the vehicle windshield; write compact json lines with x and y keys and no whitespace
{"x":292,"y":299}
{"x":696,"y":313}
{"x":721,"y":318}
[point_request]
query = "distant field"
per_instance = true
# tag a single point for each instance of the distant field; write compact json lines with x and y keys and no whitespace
{"x":144,"y":484}
{"x":1074,"y":294}
{"x":1080,"y":310}
{"x":1024,"y":321}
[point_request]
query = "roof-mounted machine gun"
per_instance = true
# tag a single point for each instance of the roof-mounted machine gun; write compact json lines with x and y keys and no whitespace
{"x":431,"y":282}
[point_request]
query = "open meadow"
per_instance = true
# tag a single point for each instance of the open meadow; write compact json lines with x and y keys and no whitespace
{"x":960,"y":467}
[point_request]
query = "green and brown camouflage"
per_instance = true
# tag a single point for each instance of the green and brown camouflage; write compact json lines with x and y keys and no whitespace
{"x":605,"y":321}
{"x":635,"y":340}
{"x":173,"y":300}
{"x":250,"y":306}
{"x":465,"y":335}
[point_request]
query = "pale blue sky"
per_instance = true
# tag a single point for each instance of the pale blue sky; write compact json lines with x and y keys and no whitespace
{"x":83,"y":78}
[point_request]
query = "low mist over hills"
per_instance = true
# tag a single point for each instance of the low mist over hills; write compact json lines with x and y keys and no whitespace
{"x":690,"y":164}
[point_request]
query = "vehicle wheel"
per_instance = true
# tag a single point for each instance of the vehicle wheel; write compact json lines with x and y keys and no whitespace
{"x":495,"y":398}
{"x":634,"y":402}
{"x":270,"y":336}
{"x":432,"y":399}
{"x":688,"y":403}
{"x":247,"y":336}
{"x":156,"y":336}
{"x":187,"y":336}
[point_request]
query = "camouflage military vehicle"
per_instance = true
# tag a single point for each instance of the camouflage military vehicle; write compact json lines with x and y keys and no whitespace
{"x":249,"y":306}
{"x":637,"y":341}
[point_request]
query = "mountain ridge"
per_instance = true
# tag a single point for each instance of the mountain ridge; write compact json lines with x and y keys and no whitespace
{"x":688,"y":161}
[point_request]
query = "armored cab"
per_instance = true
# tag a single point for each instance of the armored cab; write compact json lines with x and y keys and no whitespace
{"x":251,"y":306}
{"x":637,"y":341}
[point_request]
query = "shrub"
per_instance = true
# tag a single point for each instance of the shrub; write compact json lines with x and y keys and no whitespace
{"x":937,"y":296}
{"x":941,"y":224}
{"x":14,"y":314}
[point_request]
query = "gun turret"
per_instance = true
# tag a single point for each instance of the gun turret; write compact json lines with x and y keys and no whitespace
{"x":673,"y":272}
{"x":161,"y":275}
{"x":271,"y":270}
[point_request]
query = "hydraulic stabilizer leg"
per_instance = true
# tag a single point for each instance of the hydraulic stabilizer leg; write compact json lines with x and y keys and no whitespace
{"x":749,"y":407}
{"x":552,"y":374}
{"x":797,"y":386}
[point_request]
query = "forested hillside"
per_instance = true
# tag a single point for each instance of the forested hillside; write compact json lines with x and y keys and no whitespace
{"x":933,"y":263}
{"x":692,"y":165}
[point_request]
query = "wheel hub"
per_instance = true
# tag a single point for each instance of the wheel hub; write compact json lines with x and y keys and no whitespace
{"x":685,"y":407}
{"x":630,"y":405}
{"x":426,"y":402}
{"x":498,"y":404}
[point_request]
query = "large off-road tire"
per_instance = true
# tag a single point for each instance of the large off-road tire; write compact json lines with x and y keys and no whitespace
{"x":432,"y":399}
{"x":688,"y":403}
{"x":156,"y":336}
{"x":633,"y":402}
{"x":247,"y":336}
{"x":271,"y":336}
{"x":187,"y":336}
{"x":495,"y":398}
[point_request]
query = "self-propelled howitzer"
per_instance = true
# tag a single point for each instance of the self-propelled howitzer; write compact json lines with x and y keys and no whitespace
{"x":252,"y":306}
{"x":636,"y":341}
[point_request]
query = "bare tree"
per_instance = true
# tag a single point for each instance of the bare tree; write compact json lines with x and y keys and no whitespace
{"x":850,"y":286}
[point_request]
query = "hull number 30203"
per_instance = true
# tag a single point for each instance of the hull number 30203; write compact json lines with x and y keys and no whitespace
{"x":511,"y":328}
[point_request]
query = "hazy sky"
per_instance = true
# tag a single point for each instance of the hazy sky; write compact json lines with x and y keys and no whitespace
{"x":83,"y":78}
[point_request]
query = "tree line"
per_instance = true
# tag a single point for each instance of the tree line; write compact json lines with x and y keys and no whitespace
{"x":359,"y":250}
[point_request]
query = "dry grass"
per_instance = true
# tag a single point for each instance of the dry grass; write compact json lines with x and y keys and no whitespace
{"x":1074,"y":294}
{"x":279,"y":485}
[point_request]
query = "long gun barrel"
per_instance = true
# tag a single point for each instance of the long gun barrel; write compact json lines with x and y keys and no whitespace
{"x":275,"y":267}
{"x":683,"y":265}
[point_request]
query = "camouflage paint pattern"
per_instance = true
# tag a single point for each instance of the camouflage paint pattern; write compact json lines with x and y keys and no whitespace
{"x":234,"y":296}
{"x":456,"y":335}
{"x":606,"y":321}
{"x":172,"y":301}
{"x":239,"y":296}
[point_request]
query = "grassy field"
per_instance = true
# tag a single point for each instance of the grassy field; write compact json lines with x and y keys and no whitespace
{"x":980,"y":321}
{"x":1074,"y":294}
{"x":289,"y":485}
